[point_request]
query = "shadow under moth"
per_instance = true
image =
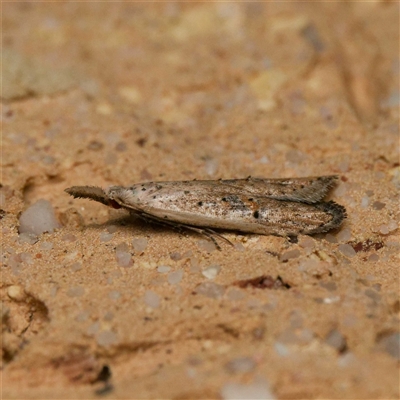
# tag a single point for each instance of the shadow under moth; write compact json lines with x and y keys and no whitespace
{"x":283,"y":207}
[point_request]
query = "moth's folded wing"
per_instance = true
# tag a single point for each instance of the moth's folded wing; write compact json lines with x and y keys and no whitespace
{"x":304,"y":190}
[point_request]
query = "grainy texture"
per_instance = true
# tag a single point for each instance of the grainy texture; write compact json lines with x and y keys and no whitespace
{"x":110,"y":305}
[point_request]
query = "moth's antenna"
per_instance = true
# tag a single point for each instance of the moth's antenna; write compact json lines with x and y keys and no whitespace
{"x":89,"y":192}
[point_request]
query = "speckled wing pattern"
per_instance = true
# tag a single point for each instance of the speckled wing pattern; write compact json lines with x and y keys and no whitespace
{"x":284,"y":207}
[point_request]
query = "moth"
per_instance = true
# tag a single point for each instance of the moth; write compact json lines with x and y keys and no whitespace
{"x":283,"y":207}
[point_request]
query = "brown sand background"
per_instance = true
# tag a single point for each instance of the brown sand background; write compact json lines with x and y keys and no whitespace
{"x":118,"y":93}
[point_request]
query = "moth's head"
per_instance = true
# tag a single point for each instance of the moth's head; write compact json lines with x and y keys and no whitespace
{"x":123,"y":197}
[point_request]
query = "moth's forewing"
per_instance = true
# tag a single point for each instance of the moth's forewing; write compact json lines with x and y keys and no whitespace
{"x":307,"y":190}
{"x":212,"y":206}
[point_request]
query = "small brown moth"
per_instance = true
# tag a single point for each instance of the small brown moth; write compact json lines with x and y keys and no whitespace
{"x":283,"y":207}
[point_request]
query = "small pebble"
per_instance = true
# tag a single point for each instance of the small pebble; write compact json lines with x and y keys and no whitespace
{"x":29,"y":238}
{"x":288,"y":255}
{"x":211,"y":272}
{"x":16,"y":292}
{"x":373,"y":257}
{"x":175,"y":277}
{"x":344,"y":235}
{"x":330,"y":238}
{"x":123,"y":256}
{"x":162,"y":269}
{"x":26,"y":258}
{"x":46,"y":245}
{"x":347,"y":250}
{"x":38,"y":218}
{"x":211,"y":167}
{"x":336,"y":340}
{"x":152,"y":299}
{"x":307,"y":243}
{"x":69,"y":237}
{"x":112,"y":229}
{"x":373,"y":295}
{"x":378,"y":205}
{"x":139,"y":244}
{"x":206,"y":245}
{"x":76,"y":266}
{"x":392,"y":225}
{"x":176,"y":256}
{"x":365,"y":202}
{"x":105,"y":236}
{"x":390,"y":344}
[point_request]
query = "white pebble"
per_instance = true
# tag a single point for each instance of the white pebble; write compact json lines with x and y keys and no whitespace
{"x":38,"y":218}
{"x":123,"y":256}
{"x":124,"y":259}
{"x":152,"y":299}
{"x":175,"y":277}
{"x":112,"y":229}
{"x":46,"y":245}
{"x":211,"y":167}
{"x":347,"y":250}
{"x":26,"y":258}
{"x":105,"y":236}
{"x":392,"y":225}
{"x":139,"y":244}
{"x":206,"y":245}
{"x":383,"y":229}
{"x":16,"y":292}
{"x":211,"y":272}
{"x":162,"y":269}
{"x":365,"y":202}
{"x":29,"y":238}
{"x":344,"y":235}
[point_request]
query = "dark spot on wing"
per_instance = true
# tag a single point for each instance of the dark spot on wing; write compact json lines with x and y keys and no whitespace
{"x":200,"y":203}
{"x":256,"y":214}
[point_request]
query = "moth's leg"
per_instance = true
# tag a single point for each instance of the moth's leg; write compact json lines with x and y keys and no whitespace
{"x":212,"y":232}
{"x":209,"y":233}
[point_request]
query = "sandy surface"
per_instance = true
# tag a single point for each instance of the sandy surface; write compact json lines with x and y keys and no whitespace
{"x":107,"y":94}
